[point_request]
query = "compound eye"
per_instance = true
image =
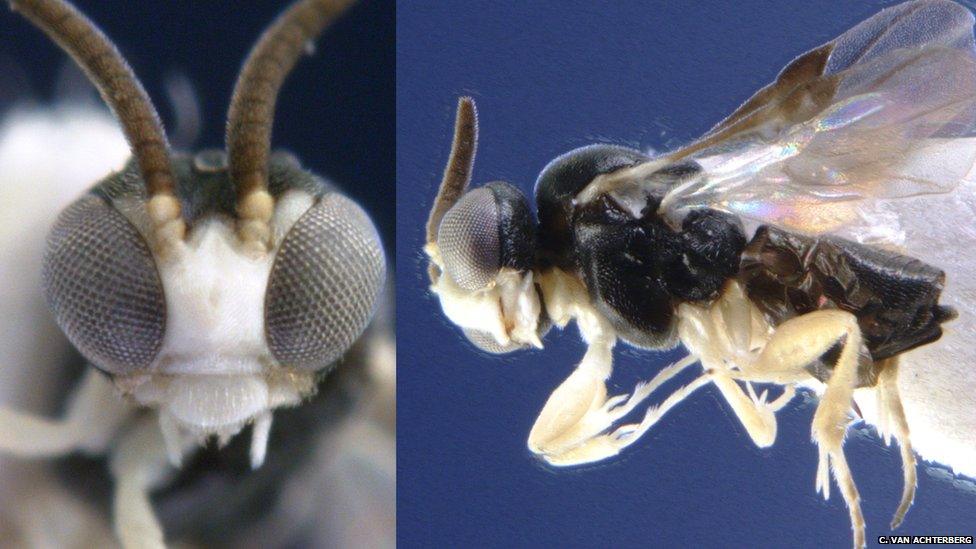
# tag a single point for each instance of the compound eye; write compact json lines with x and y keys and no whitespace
{"x":489,"y":228}
{"x":102,"y":284}
{"x":324,"y":284}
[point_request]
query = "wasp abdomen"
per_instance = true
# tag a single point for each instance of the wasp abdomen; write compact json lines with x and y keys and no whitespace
{"x":894,"y":297}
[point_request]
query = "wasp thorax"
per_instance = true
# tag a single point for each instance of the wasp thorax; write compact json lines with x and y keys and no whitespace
{"x":637,"y":266}
{"x":561,"y":180}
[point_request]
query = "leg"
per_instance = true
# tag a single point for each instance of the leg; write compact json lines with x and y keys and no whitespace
{"x":795,"y":344}
{"x":757,"y":416}
{"x":260,"y":430}
{"x":722,"y":335}
{"x":570,"y":429}
{"x":893,"y":422}
{"x":608,"y":445}
{"x":48,"y":515}
{"x":137,"y":463}
{"x":94,"y":414}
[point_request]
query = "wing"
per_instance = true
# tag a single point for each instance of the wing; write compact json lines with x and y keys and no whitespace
{"x":882,"y":112}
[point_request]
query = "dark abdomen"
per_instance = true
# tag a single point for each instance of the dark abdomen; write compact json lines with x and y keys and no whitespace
{"x":894,"y":297}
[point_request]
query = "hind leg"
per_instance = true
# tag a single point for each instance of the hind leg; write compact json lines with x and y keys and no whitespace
{"x":796,"y":344}
{"x":893,"y":422}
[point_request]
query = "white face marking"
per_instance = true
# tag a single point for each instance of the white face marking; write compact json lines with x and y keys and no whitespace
{"x":214,"y":305}
{"x":508,"y":309}
{"x":215,"y":373}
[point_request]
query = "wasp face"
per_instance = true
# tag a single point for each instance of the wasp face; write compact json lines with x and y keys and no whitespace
{"x":211,"y":333}
{"x":214,"y":287}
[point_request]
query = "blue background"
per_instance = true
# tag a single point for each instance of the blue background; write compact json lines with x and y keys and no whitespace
{"x":549,"y":77}
{"x":335,"y":111}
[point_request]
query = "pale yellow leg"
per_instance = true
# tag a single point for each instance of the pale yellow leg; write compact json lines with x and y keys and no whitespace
{"x":757,"y":416}
{"x":795,"y":344}
{"x":895,"y":423}
{"x":572,"y":427}
{"x":723,"y":336}
{"x":138,"y":463}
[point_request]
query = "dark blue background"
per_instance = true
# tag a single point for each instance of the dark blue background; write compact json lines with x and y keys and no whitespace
{"x":549,"y":77}
{"x":335,"y":111}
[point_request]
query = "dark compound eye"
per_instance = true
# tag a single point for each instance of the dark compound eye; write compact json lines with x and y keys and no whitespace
{"x":324,"y":284}
{"x":489,"y":228}
{"x":103,"y":287}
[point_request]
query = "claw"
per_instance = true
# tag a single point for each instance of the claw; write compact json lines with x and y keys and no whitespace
{"x":823,"y":475}
{"x":613,"y":402}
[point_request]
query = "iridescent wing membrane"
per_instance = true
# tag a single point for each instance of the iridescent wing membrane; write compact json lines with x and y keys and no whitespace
{"x":874,"y":114}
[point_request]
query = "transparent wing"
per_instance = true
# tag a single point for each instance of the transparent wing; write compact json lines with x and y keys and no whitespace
{"x":878,"y":113}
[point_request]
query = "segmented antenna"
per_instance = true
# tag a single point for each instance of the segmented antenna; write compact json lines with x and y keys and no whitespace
{"x":457,"y":174}
{"x":124,"y":94}
{"x":252,"y":107}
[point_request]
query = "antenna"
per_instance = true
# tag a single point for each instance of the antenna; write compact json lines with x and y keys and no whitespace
{"x":457,"y":174}
{"x":124,"y":94}
{"x":251,"y":113}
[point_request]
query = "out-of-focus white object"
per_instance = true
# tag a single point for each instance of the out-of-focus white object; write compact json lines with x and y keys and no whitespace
{"x":347,"y":489}
{"x":937,"y":382}
{"x":48,"y":156}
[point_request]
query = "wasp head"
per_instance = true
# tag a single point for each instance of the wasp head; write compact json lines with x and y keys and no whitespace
{"x":481,"y":244}
{"x":218,"y":286}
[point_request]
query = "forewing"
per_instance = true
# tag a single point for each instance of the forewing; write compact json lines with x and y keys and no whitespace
{"x":877,"y":113}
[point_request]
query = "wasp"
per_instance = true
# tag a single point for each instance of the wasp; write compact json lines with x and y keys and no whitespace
{"x":818,"y":237}
{"x":207,"y":289}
